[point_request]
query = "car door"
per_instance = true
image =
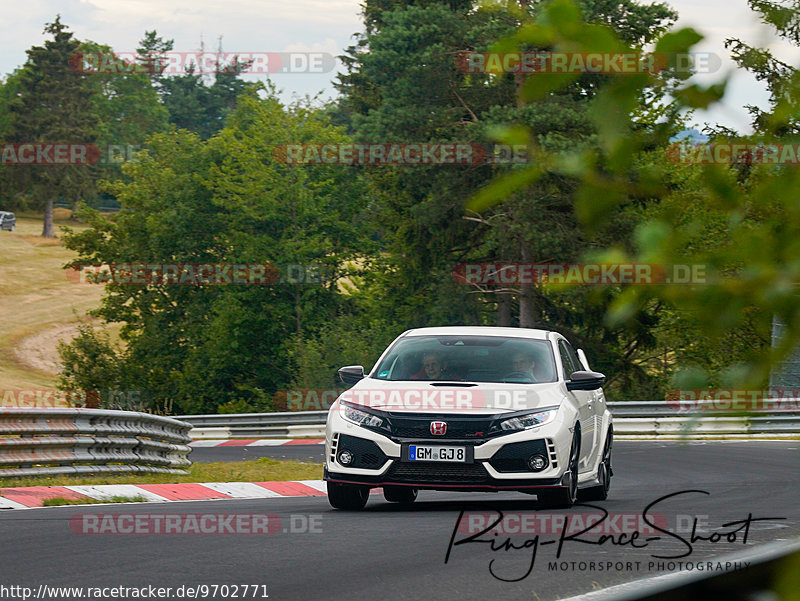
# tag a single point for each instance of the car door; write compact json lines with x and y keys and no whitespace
{"x":596,"y":404}
{"x":584,"y":400}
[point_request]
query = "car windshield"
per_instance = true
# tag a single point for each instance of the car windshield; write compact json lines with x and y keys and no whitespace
{"x":468,"y":358}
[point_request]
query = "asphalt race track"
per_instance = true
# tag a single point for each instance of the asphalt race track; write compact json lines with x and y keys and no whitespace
{"x":308,"y":453}
{"x":388,"y":552}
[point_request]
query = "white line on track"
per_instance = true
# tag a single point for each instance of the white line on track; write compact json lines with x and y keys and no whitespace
{"x":107,"y":491}
{"x":241,"y":490}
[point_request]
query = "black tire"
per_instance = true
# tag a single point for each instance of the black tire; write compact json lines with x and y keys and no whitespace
{"x":564,"y":497}
{"x":604,"y":473}
{"x":405,"y":495}
{"x":347,"y":496}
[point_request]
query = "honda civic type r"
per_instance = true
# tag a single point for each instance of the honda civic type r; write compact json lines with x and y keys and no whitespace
{"x":471,"y":409}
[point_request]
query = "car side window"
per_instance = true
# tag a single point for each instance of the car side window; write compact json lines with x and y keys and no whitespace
{"x":566,"y":360}
{"x":574,"y":356}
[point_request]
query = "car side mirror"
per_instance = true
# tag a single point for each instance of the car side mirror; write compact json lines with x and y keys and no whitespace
{"x":351,"y":374}
{"x":585,"y":380}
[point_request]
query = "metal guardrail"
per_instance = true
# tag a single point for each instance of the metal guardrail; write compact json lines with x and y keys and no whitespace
{"x":672,"y":409}
{"x":257,"y":425}
{"x":642,"y":419}
{"x":632,"y":419}
{"x":90,"y":441}
{"x":225,"y":420}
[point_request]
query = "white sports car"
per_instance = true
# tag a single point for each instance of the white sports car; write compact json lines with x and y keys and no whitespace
{"x":471,"y":409}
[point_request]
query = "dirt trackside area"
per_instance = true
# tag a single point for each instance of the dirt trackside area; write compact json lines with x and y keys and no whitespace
{"x":39,"y":305}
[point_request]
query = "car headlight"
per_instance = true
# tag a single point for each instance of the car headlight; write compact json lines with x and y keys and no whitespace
{"x":361,"y":418}
{"x":528,"y":420}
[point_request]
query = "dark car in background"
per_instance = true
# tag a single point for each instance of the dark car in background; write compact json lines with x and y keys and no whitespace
{"x":7,"y":221}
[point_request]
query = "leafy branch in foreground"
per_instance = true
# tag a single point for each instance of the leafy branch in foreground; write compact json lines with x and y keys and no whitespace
{"x":753,"y":261}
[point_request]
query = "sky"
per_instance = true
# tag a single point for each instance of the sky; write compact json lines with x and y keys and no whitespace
{"x":327,"y":26}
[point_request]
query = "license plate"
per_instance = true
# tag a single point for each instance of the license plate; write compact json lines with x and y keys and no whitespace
{"x":418,"y":452}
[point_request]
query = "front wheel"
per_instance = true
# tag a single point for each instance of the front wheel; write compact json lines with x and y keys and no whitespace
{"x":604,"y":473}
{"x":405,"y":495}
{"x":565,"y":496}
{"x":347,"y":496}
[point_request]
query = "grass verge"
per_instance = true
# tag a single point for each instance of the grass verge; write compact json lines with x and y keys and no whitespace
{"x":259,"y":470}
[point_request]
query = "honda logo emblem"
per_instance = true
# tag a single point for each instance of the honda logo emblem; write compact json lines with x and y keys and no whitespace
{"x":438,"y":428}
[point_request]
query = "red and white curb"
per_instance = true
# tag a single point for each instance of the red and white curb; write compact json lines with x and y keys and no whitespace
{"x":252,"y":442}
{"x":34,"y":496}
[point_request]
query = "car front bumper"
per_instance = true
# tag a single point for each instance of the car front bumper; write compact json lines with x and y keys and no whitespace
{"x":493,"y":463}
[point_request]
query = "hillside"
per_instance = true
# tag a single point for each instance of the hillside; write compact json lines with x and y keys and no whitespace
{"x":38,"y":304}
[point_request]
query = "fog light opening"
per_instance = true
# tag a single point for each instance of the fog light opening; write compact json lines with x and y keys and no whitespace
{"x":345,"y":457}
{"x":537,"y":463}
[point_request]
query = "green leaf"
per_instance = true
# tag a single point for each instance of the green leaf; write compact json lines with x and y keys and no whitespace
{"x":701,"y":97}
{"x":501,"y":188}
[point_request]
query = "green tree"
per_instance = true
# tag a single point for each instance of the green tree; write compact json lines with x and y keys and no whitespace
{"x":169,"y":217}
{"x":151,"y":55}
{"x":129,"y":110}
{"x":403,"y":84}
{"x":224,"y":201}
{"x":53,"y":103}
{"x":782,"y":80}
{"x":202,"y":108}
{"x":742,"y":230}
{"x":9,"y":86}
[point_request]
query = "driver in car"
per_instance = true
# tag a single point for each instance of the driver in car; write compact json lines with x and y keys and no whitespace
{"x":433,"y":368}
{"x":523,"y":364}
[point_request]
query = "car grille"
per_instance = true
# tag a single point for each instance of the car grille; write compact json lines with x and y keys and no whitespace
{"x":419,"y":427}
{"x":438,"y":473}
